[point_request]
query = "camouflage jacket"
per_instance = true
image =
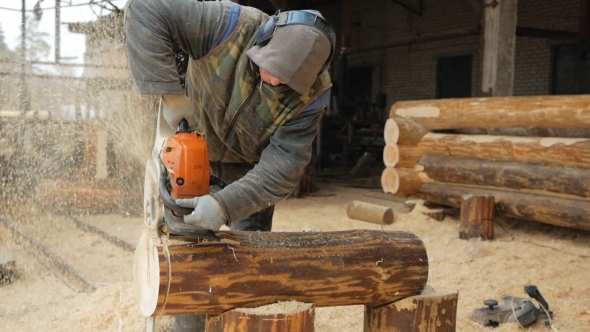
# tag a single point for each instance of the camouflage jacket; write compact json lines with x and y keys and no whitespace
{"x":235,"y":110}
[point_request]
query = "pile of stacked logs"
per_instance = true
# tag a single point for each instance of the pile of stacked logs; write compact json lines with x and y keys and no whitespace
{"x":532,"y":154}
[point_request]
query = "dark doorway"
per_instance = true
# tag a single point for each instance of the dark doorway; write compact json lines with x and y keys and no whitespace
{"x":571,"y":69}
{"x":454,"y":76}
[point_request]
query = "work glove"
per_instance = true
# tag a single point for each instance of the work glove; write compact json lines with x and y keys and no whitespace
{"x":207,"y":214}
{"x":174,"y":116}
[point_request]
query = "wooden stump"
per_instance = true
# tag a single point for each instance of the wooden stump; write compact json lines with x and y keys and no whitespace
{"x":437,"y":214}
{"x":251,"y":269}
{"x":7,"y":267}
{"x":477,"y":217}
{"x":373,"y":213}
{"x":430,"y":311}
{"x":278,"y":317}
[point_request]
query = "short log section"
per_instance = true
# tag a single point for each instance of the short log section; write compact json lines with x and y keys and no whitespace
{"x":372,"y":213}
{"x":430,"y":311}
{"x":251,"y":269}
{"x":289,"y":316}
{"x":477,"y":217}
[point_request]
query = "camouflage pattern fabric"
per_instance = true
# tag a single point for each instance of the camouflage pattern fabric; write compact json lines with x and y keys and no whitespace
{"x":235,"y":110}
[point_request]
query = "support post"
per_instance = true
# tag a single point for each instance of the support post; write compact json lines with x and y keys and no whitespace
{"x":477,"y":217}
{"x":430,"y":311}
{"x":498,"y":47}
{"x":290,"y":316}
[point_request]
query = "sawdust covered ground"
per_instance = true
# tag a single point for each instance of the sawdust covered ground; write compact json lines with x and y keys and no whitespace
{"x":556,"y":260}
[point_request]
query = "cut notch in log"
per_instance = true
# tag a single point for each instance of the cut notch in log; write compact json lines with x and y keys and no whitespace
{"x":250,"y":269}
{"x":373,"y":213}
{"x":288,"y":316}
{"x":477,"y":217}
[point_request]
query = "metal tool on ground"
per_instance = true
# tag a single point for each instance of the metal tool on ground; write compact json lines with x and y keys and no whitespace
{"x":513,"y":309}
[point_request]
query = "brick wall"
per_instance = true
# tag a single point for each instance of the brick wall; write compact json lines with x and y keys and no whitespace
{"x":409,"y":72}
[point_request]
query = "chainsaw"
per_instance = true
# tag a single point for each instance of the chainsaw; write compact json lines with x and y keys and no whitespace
{"x":179,"y":169}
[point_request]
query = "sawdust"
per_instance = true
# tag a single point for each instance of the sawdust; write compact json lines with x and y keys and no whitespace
{"x":556,"y":260}
{"x":281,"y":307}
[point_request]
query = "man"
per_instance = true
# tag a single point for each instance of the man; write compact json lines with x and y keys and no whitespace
{"x":255,"y":86}
{"x":256,"y":94}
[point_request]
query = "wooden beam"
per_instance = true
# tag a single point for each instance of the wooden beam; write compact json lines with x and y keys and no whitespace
{"x":250,"y":269}
{"x":535,"y":206}
{"x":567,"y":112}
{"x":498,"y":48}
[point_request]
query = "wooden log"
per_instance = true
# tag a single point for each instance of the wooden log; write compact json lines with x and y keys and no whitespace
{"x":574,"y":152}
{"x":430,"y":311}
{"x":389,"y":180}
{"x":7,"y":267}
{"x":390,"y":132}
{"x":390,"y":155}
{"x":401,"y":130}
{"x":515,"y":175}
{"x":373,"y":213}
{"x":402,"y":182}
{"x":553,"y":209}
{"x":409,"y":155}
{"x":250,"y":269}
{"x":524,"y":132}
{"x":278,"y":317}
{"x":571,"y":112}
{"x":477,"y":217}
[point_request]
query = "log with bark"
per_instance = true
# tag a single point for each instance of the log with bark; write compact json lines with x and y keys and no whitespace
{"x":573,"y":152}
{"x":505,"y":174}
{"x":553,"y":209}
{"x":250,"y":269}
{"x":569,"y":112}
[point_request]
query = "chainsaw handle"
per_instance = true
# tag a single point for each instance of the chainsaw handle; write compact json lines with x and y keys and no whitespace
{"x":165,"y":195}
{"x":533,"y":292}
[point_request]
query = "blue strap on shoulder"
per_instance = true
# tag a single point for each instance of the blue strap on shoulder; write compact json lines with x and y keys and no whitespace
{"x":234,"y":15}
{"x":321,"y":102}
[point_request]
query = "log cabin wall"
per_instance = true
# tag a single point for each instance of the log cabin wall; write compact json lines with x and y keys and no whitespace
{"x":541,"y":175}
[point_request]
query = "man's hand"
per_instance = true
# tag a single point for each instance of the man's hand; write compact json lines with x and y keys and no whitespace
{"x":207,"y":214}
{"x":176,"y":108}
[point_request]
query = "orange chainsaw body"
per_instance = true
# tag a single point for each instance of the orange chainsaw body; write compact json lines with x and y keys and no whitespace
{"x":186,"y":158}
